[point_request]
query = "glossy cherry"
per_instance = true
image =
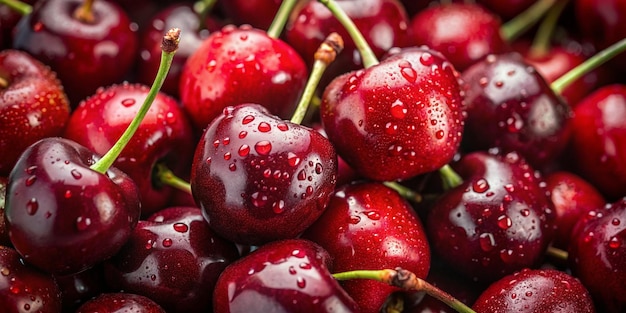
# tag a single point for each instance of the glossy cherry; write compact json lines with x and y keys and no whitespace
{"x":535,"y":290}
{"x":283,"y":276}
{"x":87,"y":51}
{"x":173,"y":258}
{"x":79,"y":288}
{"x":499,"y":221}
{"x":120,"y":303}
{"x":601,"y":23}
{"x":164,"y":136}
{"x":258,"y":13}
{"x":33,"y":105}
{"x":24,"y":288}
{"x":259,"y":178}
{"x":370,"y":226}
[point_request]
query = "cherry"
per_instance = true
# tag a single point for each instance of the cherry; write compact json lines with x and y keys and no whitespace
{"x":599,"y":140}
{"x":33,"y":105}
{"x":601,"y":23}
{"x":120,"y":303}
{"x":498,"y":221}
{"x":257,"y":13}
{"x":88,"y":44}
{"x":597,"y":255}
{"x":78,"y":288}
{"x":242,"y":58}
{"x":10,"y":15}
{"x":573,"y":198}
{"x":287,"y":276}
{"x":164,"y":137}
{"x":370,"y":226}
{"x":173,"y":258}
{"x":24,"y":288}
{"x":535,"y":290}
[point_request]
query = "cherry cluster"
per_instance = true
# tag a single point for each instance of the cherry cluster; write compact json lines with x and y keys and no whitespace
{"x":312,"y":156}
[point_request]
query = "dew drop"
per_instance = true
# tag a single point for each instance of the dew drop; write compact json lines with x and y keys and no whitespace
{"x":258,"y":200}
{"x":31,"y":206}
{"x":282,"y":127}
{"x":232,"y":167}
{"x":318,"y":168}
{"x":440,"y":134}
{"x":153,"y":277}
{"x":31,"y":170}
{"x":181,"y":227}
{"x":148,"y":245}
{"x":210,"y":66}
{"x":263,"y":147}
{"x":82,"y":223}
{"x":226,"y":141}
{"x":292,"y":270}
{"x":355,"y":219}
{"x":128,"y":102}
{"x":293,"y":159}
{"x":487,"y":242}
{"x":243,"y":134}
{"x":398,"y":110}
{"x":244,"y":150}
{"x":278,"y":207}
{"x":407,"y":71}
{"x":373,"y":215}
{"x":506,"y":255}
{"x":167,"y":242}
{"x":483,"y":81}
{"x":301,"y":282}
{"x":216,"y":143}
{"x":525,"y":212}
{"x":264,"y":127}
{"x":68,"y":194}
{"x":427,"y":59}
{"x":614,"y":243}
{"x":247,"y":119}
{"x":227,"y":156}
{"x":30,"y":180}
{"x":509,"y":187}
{"x":615,"y":222}
{"x":76,"y":174}
{"x":480,"y":185}
{"x":301,"y":175}
{"x":499,"y":84}
{"x":504,"y":222}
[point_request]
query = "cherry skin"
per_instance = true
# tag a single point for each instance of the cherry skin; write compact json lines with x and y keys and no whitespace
{"x":535,"y":290}
{"x":601,"y":23}
{"x":283,"y":276}
{"x":463,"y":33}
{"x":85,"y":54}
{"x":173,"y":258}
{"x":33,"y":105}
{"x":164,"y":136}
{"x":573,"y":197}
{"x":120,"y":303}
{"x":78,"y":288}
{"x":497,"y":222}
{"x":195,"y":30}
{"x":64,"y":217}
{"x":599,"y":140}
{"x":370,"y":226}
{"x":234,"y":60}
{"x":23,"y":288}
{"x":258,"y":13}
{"x":597,"y":255}
{"x":511,"y":107}
{"x":398,"y":119}
{"x":259,"y":178}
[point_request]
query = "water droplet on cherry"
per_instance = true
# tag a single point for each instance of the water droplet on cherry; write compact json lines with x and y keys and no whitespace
{"x":263,"y":147}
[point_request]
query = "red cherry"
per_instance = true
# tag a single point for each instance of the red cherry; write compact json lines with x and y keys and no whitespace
{"x":601,"y":22}
{"x":258,"y":13}
{"x":78,"y":288}
{"x":120,"y":303}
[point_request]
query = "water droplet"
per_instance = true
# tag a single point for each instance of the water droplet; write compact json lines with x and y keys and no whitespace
{"x":506,"y":255}
{"x":398,"y":110}
{"x":373,"y":215}
{"x":487,"y":242}
{"x":82,"y":223}
{"x":298,"y":253}
{"x":301,"y":282}
{"x":244,"y":150}
{"x":149,"y":245}
{"x":391,"y":128}
{"x":440,"y":134}
{"x":292,"y":270}
{"x":31,"y":170}
{"x":180,"y":227}
{"x":258,"y":200}
{"x":14,"y":289}
{"x":208,"y":161}
{"x":282,"y":127}
{"x":483,"y":81}
{"x":216,"y":143}
{"x":128,"y":102}
{"x":355,"y":219}
{"x":247,"y":119}
{"x":167,"y":242}
{"x":30,"y":180}
{"x":615,"y":222}
{"x":263,"y":147}
{"x":278,"y":207}
{"x":227,"y":156}
{"x":509,"y":187}
{"x":68,"y":194}
{"x":293,"y":159}
{"x":614,"y":243}
{"x":427,"y":59}
{"x":210,"y":66}
{"x":504,"y":222}
{"x":243,"y":134}
{"x":153,"y":277}
{"x":407,"y":71}
{"x":309,"y":190}
{"x":226,"y":141}
{"x":525,"y":212}
{"x":264,"y":127}
{"x":318,"y":168}
{"x":76,"y":174}
{"x":499,"y":84}
{"x":38,"y":27}
{"x":480,"y":185}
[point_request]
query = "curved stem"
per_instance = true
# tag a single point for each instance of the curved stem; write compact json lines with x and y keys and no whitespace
{"x":449,"y":177}
{"x":168,"y":49}
{"x":165,"y":176}
{"x":325,"y":54}
{"x":525,"y":20}
{"x":368,"y":56}
{"x":588,"y":66}
{"x":543,"y":38}
{"x":18,"y":6}
{"x":405,"y":191}
{"x":281,"y":17}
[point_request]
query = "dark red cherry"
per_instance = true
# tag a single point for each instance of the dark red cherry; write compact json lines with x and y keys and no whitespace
{"x":599,"y":140}
{"x":120,"y":303}
{"x":241,"y":65}
{"x":85,"y":52}
{"x":397,"y":119}
{"x":601,"y":23}
{"x":78,"y":288}
{"x":597,"y":255}
{"x":23,"y":288}
{"x":64,"y":217}
{"x":573,"y":198}
{"x":164,"y":136}
{"x":283,"y":276}
{"x":173,"y":258}
{"x":499,"y":221}
{"x":33,"y":105}
{"x":511,"y":107}
{"x":463,"y":32}
{"x":259,"y":178}
{"x":258,"y":13}
{"x":534,"y":291}
{"x":370,"y":226}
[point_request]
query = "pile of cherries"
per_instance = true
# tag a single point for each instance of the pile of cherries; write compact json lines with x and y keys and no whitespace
{"x":313,"y":156}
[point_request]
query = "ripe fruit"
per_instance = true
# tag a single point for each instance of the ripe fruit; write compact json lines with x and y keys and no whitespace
{"x":120,"y":303}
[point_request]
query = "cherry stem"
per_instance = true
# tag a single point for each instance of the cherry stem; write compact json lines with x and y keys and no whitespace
{"x":18,"y":6}
{"x":165,"y":176}
{"x":169,"y":45}
{"x":405,"y":191}
{"x":84,"y":12}
{"x":557,"y":254}
{"x":543,"y":38}
{"x":202,"y":8}
{"x":591,"y":64}
{"x":449,"y":177}
{"x":325,"y":54}
{"x":281,"y":17}
{"x":525,"y":20}
{"x":407,"y":281}
{"x":4,"y":83}
{"x":368,"y":56}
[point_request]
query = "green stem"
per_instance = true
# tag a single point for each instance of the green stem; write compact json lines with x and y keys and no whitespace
{"x":18,"y":6}
{"x":202,"y":9}
{"x":405,"y":192}
{"x":588,"y":66}
{"x":368,"y":56}
{"x":325,"y":54}
{"x":543,"y":38}
{"x":525,"y":20}
{"x":407,"y":281}
{"x":168,"y":47}
{"x":165,"y":176}
{"x":281,"y":17}
{"x":557,"y":254}
{"x":449,"y":177}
